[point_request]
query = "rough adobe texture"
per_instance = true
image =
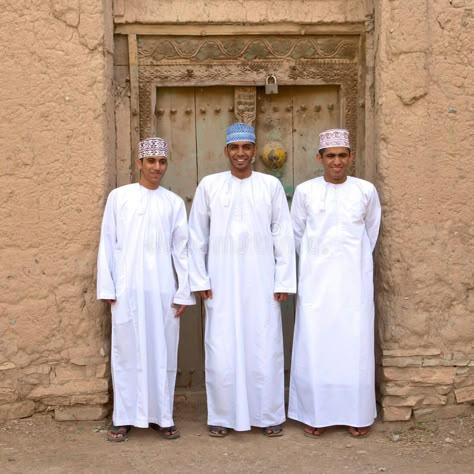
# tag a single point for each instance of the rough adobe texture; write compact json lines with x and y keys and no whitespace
{"x":57,"y":138}
{"x":425,"y":118}
{"x":238,"y":11}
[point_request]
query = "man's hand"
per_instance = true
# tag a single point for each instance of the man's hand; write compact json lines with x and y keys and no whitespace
{"x":179,"y":309}
{"x":206,"y":294}
{"x":280,"y":297}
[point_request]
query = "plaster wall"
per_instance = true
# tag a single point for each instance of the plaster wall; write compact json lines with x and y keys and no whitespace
{"x":57,"y":141}
{"x":424,"y":122}
{"x":238,"y":11}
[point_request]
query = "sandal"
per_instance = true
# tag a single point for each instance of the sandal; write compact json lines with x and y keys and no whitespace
{"x":218,"y":431}
{"x":273,"y":431}
{"x":170,"y":432}
{"x":358,"y":432}
{"x":311,"y":432}
{"x":120,"y":431}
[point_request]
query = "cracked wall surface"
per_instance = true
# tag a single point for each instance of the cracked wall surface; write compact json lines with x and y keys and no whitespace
{"x":425,"y":174}
{"x":57,"y":136}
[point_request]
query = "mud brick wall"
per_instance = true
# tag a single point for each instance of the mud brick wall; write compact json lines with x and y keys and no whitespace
{"x":424,"y":98}
{"x":57,"y":141}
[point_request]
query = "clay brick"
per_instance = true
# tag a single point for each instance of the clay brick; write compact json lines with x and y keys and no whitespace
{"x":437,"y":363}
{"x":449,"y":411}
{"x":396,"y":413}
{"x":34,"y":379}
{"x":54,"y":401}
{"x":440,"y":375}
{"x":409,"y":401}
{"x":81,"y":413}
{"x":465,"y":394}
{"x":414,"y":400}
{"x":34,"y":369}
{"x":93,"y":399}
{"x":402,"y":390}
{"x":23,"y":409}
{"x":66,"y":373}
{"x":461,"y":381}
{"x":464,"y":371}
{"x":90,"y":371}
{"x":87,"y":360}
{"x":101,"y":371}
{"x":402,"y":361}
{"x":435,"y":400}
{"x":76,"y":387}
{"x":411,"y":352}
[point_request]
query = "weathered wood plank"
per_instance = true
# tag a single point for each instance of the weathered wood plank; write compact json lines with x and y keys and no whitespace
{"x":315,"y":109}
{"x":214,"y":113}
{"x":175,"y":122}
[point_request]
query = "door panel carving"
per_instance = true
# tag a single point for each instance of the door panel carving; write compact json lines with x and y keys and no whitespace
{"x":247,"y":61}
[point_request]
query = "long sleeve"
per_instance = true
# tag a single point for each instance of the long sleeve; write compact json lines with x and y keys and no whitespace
{"x":372,"y":218}
{"x":179,"y":253}
{"x":199,"y":227}
{"x":283,"y":244}
{"x":105,"y":259}
{"x":298,"y":218}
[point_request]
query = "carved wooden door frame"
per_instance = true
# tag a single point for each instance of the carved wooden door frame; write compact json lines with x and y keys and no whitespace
{"x":174,"y":60}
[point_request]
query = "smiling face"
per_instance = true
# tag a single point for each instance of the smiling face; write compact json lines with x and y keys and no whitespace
{"x":240,"y":156}
{"x":336,"y":162}
{"x":152,"y":170}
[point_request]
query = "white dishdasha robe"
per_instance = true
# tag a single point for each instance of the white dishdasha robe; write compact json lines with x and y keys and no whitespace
{"x":143,"y":244}
{"x":242,"y":248}
{"x":332,"y":373}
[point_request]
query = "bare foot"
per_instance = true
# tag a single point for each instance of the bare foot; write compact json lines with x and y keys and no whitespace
{"x":358,"y":432}
{"x":218,"y":431}
{"x":311,"y":432}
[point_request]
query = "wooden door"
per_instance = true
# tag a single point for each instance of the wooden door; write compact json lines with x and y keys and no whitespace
{"x":193,"y":120}
{"x":293,"y":118}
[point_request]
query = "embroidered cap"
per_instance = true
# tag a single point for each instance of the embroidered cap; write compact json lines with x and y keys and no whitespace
{"x":152,"y":147}
{"x":240,"y":132}
{"x":334,"y":137}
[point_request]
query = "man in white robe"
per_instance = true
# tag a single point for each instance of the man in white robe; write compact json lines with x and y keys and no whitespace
{"x":336,"y":221}
{"x":143,"y":245}
{"x":242,"y":263}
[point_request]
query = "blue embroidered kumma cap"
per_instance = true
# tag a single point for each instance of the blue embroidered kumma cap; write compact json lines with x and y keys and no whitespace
{"x":240,"y":132}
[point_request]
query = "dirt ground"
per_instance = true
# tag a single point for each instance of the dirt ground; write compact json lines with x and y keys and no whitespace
{"x":42,"y":445}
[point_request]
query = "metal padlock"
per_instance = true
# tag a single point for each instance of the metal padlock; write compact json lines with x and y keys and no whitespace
{"x":271,"y":86}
